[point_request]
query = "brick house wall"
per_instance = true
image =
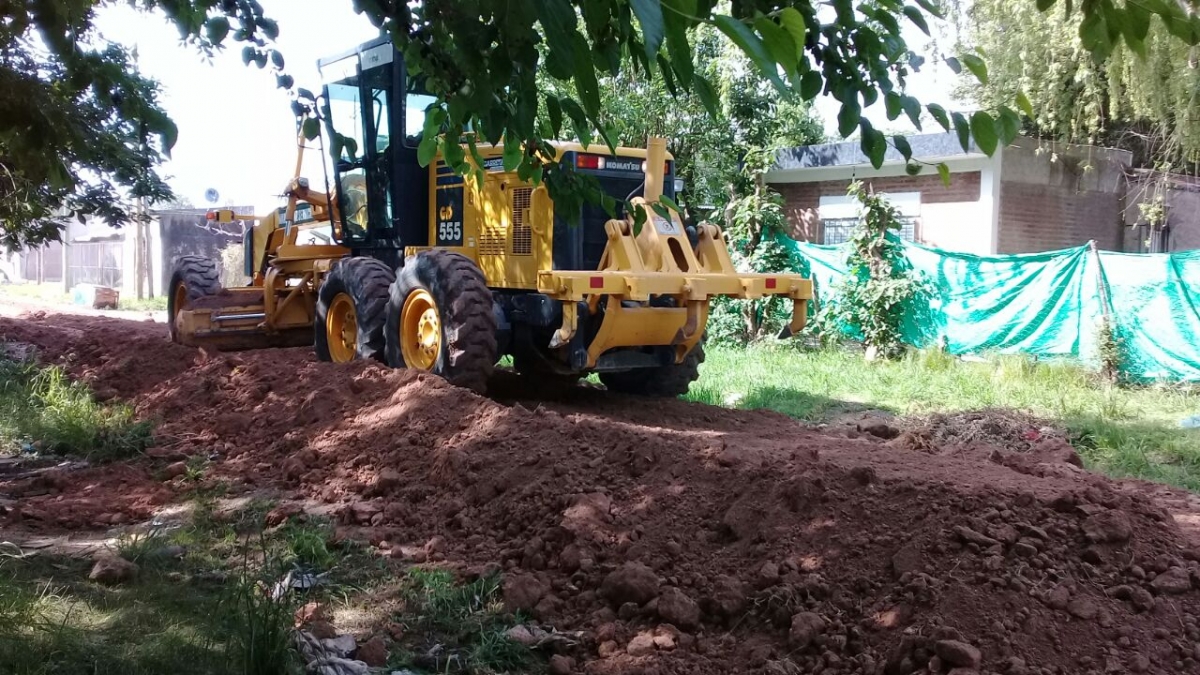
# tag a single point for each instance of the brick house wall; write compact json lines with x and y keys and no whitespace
{"x":1055,"y":196}
{"x":1037,"y":218}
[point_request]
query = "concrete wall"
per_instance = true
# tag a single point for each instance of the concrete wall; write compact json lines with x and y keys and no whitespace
{"x":1054,"y":196}
{"x":1181,"y":195}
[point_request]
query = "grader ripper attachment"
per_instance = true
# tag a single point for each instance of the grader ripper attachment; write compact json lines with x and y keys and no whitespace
{"x":422,"y":268}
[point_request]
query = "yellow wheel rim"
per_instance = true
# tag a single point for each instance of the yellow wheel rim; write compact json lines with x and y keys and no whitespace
{"x":181,"y":298}
{"x":341,"y":329}
{"x":420,"y":331}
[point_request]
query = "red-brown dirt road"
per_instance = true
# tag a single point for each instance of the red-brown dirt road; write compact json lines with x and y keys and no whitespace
{"x":680,"y":538}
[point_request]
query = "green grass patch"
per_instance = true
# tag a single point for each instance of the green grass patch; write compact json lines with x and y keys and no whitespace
{"x":458,"y":627}
{"x":43,"y":410}
{"x":53,"y":621}
{"x":158,"y":304}
{"x":1124,"y":431}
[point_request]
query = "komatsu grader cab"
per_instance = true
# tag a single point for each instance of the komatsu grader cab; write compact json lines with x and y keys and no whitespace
{"x":422,"y":268}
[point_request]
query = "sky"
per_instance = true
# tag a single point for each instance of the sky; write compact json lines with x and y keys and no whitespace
{"x":236,"y":129}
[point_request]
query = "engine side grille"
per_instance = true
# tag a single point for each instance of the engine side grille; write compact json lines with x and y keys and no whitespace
{"x":522,"y":231}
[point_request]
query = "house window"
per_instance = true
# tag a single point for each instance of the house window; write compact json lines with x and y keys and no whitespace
{"x":840,"y":215}
{"x":838,"y":230}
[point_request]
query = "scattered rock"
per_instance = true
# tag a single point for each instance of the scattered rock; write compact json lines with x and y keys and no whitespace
{"x":806,"y":626}
{"x":322,"y":630}
{"x":1137,"y":596}
{"x":310,"y":612}
{"x":1175,"y":581}
{"x":1058,"y":598}
{"x":387,"y":479}
{"x":175,"y":470}
{"x":675,"y":607}
{"x":1108,"y":527}
{"x":728,"y":597}
{"x":282,"y":513}
{"x":632,"y":582}
{"x":111,"y":569}
{"x":1082,"y":608}
{"x":1025,"y":550}
{"x":880,"y":430}
{"x":523,"y":591}
{"x":641,"y":645}
{"x":1139,"y":663}
{"x":972,"y":537}
{"x":958,"y":654}
{"x":561,"y":665}
{"x":373,"y":652}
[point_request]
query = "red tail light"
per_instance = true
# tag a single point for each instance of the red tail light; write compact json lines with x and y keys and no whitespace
{"x":588,"y":162}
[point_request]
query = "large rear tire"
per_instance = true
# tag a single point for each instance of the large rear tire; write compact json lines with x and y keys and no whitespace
{"x":352,"y":310}
{"x":194,"y":277}
{"x":662,"y":382}
{"x":440,"y":320}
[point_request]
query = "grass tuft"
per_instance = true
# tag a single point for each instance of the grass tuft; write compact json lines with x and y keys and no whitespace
{"x":306,"y":544}
{"x":464,"y":625}
{"x":43,"y":410}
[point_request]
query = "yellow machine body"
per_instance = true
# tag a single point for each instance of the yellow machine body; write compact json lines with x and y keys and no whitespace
{"x":507,"y":230}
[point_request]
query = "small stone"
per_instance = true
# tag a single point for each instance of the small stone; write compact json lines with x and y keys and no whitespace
{"x":1082,"y":608}
{"x":310,"y":612}
{"x":523,"y":591}
{"x":768,"y":574}
{"x":675,"y":607}
{"x":561,"y":665}
{"x":1058,"y":597}
{"x":972,"y":537}
{"x":632,"y":582}
{"x":958,"y":654}
{"x":1024,"y":549}
{"x":1174,"y":581}
{"x":322,"y":630}
{"x":641,"y":645}
{"x":1139,"y":663}
{"x":806,"y":626}
{"x":111,"y":569}
{"x":387,"y":479}
{"x":664,"y":642}
{"x":1108,"y":527}
{"x":281,"y":514}
{"x":175,"y":470}
{"x":373,"y":652}
{"x":728,"y":597}
{"x":608,"y":648}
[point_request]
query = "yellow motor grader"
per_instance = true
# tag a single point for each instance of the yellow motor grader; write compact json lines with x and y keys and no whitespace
{"x":422,"y":268}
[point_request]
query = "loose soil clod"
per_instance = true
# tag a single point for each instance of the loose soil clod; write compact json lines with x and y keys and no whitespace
{"x":679,"y":538}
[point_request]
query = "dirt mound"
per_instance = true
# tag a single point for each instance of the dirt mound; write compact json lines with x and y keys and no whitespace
{"x":683,"y":538}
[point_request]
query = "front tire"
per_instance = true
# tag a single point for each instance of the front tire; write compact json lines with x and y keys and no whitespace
{"x":440,"y":320}
{"x":352,"y":310}
{"x":194,"y":277}
{"x":670,"y":381}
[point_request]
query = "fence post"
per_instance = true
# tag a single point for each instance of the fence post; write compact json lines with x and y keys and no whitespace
{"x":1105,"y":297}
